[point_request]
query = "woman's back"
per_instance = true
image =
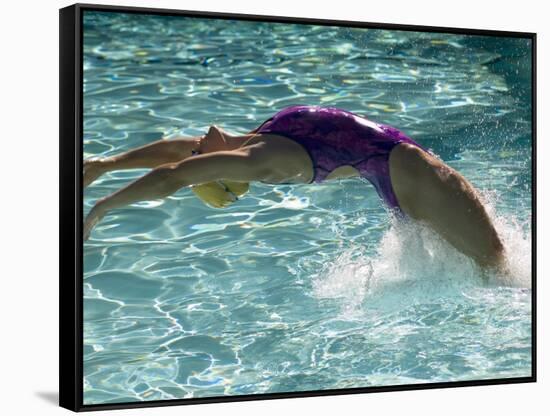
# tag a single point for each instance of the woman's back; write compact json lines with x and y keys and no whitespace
{"x":334,"y":137}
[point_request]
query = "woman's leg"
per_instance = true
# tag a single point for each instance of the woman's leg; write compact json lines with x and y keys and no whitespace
{"x":147,"y":156}
{"x":430,"y":190}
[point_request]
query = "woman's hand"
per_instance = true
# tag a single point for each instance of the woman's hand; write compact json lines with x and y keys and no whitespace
{"x":95,"y":215}
{"x":92,"y":169}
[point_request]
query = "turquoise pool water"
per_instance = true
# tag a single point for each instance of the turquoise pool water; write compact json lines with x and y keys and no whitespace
{"x":299,"y":287}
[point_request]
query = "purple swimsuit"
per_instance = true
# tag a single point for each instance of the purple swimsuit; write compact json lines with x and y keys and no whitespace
{"x":334,"y":137}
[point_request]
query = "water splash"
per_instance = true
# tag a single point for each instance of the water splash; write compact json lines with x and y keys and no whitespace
{"x":516,"y":237}
{"x":413,"y":264}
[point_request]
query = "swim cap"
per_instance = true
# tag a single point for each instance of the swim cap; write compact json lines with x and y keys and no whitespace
{"x":220,"y":194}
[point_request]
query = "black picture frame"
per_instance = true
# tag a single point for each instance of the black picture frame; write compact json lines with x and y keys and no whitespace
{"x":71,"y":207}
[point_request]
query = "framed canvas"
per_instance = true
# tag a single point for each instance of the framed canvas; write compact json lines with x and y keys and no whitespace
{"x":259,"y":207}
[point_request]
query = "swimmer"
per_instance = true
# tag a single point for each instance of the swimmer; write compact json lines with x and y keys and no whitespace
{"x":304,"y":144}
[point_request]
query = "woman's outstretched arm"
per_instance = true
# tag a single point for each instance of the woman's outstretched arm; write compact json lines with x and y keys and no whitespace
{"x":149,"y":155}
{"x":241,"y":165}
{"x":163,"y":151}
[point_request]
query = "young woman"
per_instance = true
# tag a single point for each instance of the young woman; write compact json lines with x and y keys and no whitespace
{"x":306,"y":144}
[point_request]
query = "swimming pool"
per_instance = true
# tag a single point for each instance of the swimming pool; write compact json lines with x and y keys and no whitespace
{"x":299,"y":287}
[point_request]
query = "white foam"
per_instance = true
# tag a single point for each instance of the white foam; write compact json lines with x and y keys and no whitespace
{"x":414,"y":264}
{"x":516,"y":237}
